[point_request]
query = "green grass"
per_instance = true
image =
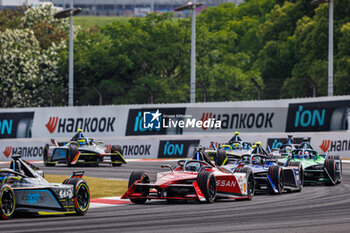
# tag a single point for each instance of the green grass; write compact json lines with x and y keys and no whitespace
{"x":89,"y":21}
{"x":99,"y":187}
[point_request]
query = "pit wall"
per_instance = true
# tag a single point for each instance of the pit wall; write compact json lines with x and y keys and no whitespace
{"x":325,"y":120}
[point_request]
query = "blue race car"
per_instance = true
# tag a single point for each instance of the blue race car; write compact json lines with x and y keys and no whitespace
{"x":269,"y":176}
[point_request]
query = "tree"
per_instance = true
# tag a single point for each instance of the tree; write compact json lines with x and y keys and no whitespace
{"x":29,"y":56}
{"x":311,"y":46}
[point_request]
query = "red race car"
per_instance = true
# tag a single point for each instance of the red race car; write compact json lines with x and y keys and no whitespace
{"x":192,"y":179}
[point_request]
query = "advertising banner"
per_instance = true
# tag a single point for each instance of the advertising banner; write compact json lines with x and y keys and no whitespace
{"x":241,"y":119}
{"x":136,"y":148}
{"x":180,"y":146}
{"x":16,"y":124}
{"x":177,"y":148}
{"x":30,"y":149}
{"x":274,"y":143}
{"x":289,"y":115}
{"x":97,"y":121}
{"x":318,"y":116}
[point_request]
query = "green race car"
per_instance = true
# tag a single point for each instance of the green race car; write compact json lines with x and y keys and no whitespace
{"x":326,"y":169}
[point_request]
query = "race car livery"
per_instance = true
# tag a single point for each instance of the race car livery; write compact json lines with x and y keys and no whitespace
{"x":231,"y":151}
{"x":269,"y":176}
{"x":75,"y":152}
{"x":326,"y":169}
{"x":191,"y":179}
{"x":317,"y":169}
{"x":23,"y":189}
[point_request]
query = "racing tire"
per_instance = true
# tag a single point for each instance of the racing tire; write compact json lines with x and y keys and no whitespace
{"x":238,"y":169}
{"x":46,"y":157}
{"x":301,"y":172}
{"x":143,"y":176}
{"x":220,"y":157}
{"x":72,"y":151}
{"x":207,"y":184}
{"x":250,"y":181}
{"x":336,"y":157}
{"x":276,"y":176}
{"x":7,"y":202}
{"x":114,"y":149}
{"x":330,"y":166}
{"x":339,"y":167}
{"x":81,"y":195}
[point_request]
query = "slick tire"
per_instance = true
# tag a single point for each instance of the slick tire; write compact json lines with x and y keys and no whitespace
{"x":81,"y":195}
{"x":336,"y":157}
{"x":46,"y":157}
{"x":301,"y":172}
{"x":250,"y":181}
{"x":143,"y":176}
{"x":339,"y":167}
{"x":330,"y":166}
{"x":7,"y":202}
{"x":207,"y":184}
{"x":72,"y":151}
{"x":115,"y":149}
{"x":276,"y":175}
{"x":220,"y":157}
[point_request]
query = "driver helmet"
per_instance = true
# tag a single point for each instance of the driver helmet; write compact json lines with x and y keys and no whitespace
{"x":245,"y":146}
{"x":307,"y":153}
{"x":80,"y":133}
{"x":81,"y":142}
{"x":256,"y":160}
{"x":235,"y":145}
{"x":193,"y":167}
{"x":288,"y":149}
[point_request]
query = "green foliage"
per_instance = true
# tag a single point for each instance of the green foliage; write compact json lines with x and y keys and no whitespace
{"x":281,"y":45}
{"x":29,"y":48}
{"x":143,"y":57}
{"x":311,"y":43}
{"x":11,"y":19}
{"x":88,"y":22}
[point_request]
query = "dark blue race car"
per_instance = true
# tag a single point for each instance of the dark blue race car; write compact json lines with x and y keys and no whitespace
{"x":269,"y":176}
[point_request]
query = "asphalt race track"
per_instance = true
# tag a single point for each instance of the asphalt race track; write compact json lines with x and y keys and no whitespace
{"x":314,"y":209}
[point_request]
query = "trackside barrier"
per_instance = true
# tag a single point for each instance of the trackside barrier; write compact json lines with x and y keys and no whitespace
{"x":287,"y":115}
{"x":180,"y":146}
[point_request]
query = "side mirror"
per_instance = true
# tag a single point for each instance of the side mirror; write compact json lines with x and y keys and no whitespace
{"x":167,"y":166}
